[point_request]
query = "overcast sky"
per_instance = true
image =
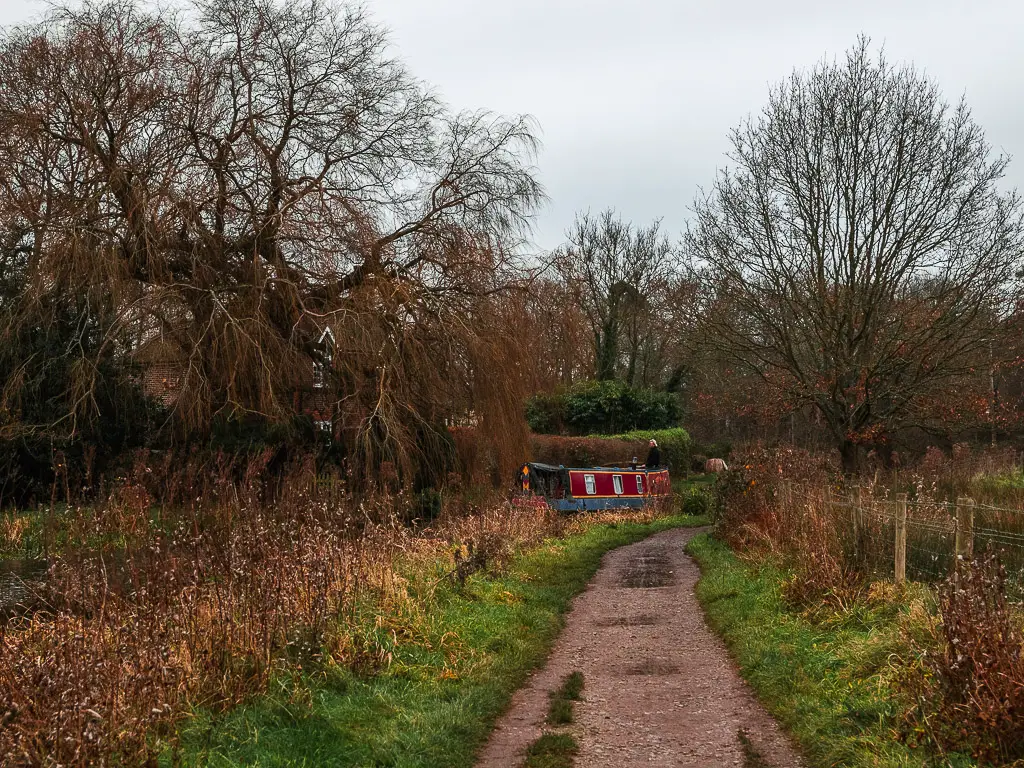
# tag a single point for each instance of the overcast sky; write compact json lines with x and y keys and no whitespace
{"x":635,"y":98}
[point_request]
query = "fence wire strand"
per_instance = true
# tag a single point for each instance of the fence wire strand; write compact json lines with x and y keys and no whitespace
{"x":934,"y":530}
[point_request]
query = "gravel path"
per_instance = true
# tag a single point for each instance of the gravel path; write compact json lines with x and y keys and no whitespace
{"x":660,"y":688}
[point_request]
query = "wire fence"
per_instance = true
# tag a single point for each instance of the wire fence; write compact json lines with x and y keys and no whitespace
{"x":922,"y":540}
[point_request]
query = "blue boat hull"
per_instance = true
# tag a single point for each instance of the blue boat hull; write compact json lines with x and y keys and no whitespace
{"x":588,"y":505}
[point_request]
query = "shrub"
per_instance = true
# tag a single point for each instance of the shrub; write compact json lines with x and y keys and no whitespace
{"x":601,"y":407}
{"x":697,"y":502}
{"x":240,"y":586}
{"x":427,"y":505}
{"x":545,"y":413}
{"x":747,"y":494}
{"x":971,"y":695}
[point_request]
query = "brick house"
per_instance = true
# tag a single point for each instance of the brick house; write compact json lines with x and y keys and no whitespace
{"x":312,"y":395}
{"x":164,"y":362}
{"x":163,"y":368}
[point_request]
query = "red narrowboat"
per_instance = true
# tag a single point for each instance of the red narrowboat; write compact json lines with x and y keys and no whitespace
{"x":575,"y":489}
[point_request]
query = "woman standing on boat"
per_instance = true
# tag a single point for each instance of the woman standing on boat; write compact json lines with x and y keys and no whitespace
{"x":653,"y":455}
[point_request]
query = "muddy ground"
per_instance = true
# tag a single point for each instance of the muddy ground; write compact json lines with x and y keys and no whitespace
{"x":660,"y":688}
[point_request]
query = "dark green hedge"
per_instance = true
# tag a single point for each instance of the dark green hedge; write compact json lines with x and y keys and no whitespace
{"x":675,"y":444}
{"x":606,"y":407}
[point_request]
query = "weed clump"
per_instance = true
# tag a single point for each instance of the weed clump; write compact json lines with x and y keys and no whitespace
{"x":969,"y":694}
{"x":560,"y":711}
{"x":697,"y":503}
{"x":552,"y":750}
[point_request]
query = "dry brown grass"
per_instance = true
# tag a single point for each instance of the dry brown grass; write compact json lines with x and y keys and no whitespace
{"x":13,"y":529}
{"x":151,"y":612}
{"x":968,"y":692}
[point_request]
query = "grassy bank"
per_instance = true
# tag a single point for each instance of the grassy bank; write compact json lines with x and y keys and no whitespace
{"x":831,"y":678}
{"x":454,"y":655}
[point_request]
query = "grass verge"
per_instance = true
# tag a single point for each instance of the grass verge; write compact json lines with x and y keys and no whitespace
{"x":451,"y":666}
{"x":831,"y":683}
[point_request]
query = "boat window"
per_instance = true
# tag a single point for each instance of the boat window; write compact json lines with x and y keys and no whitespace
{"x":617,"y":481}
{"x":639,"y":483}
{"x":591,"y":485}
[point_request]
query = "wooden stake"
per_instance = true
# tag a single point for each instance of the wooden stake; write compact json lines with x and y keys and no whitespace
{"x":858,"y":532}
{"x":965,"y":528}
{"x":901,"y":538}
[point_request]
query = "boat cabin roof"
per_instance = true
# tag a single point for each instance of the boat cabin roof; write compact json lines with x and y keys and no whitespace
{"x":552,"y":468}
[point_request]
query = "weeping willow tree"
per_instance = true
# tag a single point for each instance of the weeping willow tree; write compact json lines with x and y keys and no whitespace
{"x":236,"y":179}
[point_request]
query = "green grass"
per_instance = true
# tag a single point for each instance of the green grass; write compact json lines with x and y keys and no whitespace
{"x":560,"y":711}
{"x":682,"y":486}
{"x":436,"y":702}
{"x":48,"y":532}
{"x":552,"y":750}
{"x":30,"y":544}
{"x":572,"y":687}
{"x":829,"y":683}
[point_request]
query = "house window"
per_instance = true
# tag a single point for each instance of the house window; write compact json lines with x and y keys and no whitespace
{"x":321,"y":366}
{"x":617,"y":482}
{"x":591,"y":485}
{"x":640,"y":484}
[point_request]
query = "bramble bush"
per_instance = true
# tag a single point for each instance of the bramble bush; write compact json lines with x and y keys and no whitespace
{"x":748,"y":493}
{"x":968,"y":694}
{"x":774,"y":500}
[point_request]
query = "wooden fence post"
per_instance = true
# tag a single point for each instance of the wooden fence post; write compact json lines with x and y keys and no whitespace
{"x":965,"y":528}
{"x":901,"y":538}
{"x":857,"y":525}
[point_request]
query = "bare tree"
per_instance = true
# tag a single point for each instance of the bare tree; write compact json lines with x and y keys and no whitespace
{"x":241,"y":177}
{"x":557,"y":334}
{"x":858,"y":255}
{"x":614,"y":272}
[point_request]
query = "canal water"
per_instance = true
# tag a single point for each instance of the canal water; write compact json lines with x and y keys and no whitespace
{"x":19,"y":580}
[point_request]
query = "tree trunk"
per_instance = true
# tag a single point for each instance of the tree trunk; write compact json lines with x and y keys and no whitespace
{"x":852,"y":454}
{"x":607,"y":352}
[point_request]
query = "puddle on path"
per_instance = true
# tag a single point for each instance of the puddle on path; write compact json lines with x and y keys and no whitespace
{"x":648,"y":568}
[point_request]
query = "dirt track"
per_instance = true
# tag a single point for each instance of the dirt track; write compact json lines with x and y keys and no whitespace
{"x":660,"y":689}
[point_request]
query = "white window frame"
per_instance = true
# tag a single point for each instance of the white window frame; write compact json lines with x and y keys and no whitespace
{"x":640,"y":484}
{"x":591,"y":483}
{"x":324,"y":364}
{"x":617,"y":484}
